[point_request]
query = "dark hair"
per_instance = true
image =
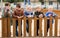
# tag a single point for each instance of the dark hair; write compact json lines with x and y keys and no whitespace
{"x":7,"y":4}
{"x":18,"y":5}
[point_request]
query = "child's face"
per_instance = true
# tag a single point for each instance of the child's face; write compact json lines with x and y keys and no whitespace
{"x":38,"y":9}
{"x":29,"y":9}
{"x":50,"y":9}
{"x":7,"y":7}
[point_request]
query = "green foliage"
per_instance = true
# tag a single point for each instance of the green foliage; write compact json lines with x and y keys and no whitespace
{"x":4,"y":0}
{"x":41,"y":0}
{"x":11,"y":1}
{"x":58,"y":1}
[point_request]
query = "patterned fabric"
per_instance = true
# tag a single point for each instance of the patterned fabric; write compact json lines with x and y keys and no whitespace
{"x":38,"y":13}
{"x":4,"y":11}
{"x":52,"y":14}
{"x":26,"y":13}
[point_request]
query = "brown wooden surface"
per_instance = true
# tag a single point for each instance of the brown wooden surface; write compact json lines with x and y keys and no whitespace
{"x":50,"y":32}
{"x":24,"y":26}
{"x":19,"y":28}
{"x":45,"y":26}
{"x":35,"y":26}
{"x":14,"y":27}
{"x":56,"y":25}
{"x":40,"y":27}
{"x":8,"y":27}
{"x":4,"y":27}
{"x":30,"y":24}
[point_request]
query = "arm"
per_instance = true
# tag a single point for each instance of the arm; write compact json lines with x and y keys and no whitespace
{"x":41,"y":14}
{"x":26,"y":14}
{"x":54,"y":15}
{"x":22,"y":13}
{"x":14,"y":15}
{"x":32,"y":14}
{"x":46,"y":14}
{"x":35,"y":14}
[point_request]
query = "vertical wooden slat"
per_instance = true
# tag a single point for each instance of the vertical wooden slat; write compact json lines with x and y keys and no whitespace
{"x":8,"y":28}
{"x":35,"y":26}
{"x":19,"y":26}
{"x":24,"y":26}
{"x":30,"y":21}
{"x":4,"y":27}
{"x":45,"y":26}
{"x":40,"y":27}
{"x":56,"y":25}
{"x":14,"y":27}
{"x":50,"y":32}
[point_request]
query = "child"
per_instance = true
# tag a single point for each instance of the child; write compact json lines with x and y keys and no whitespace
{"x":48,"y":14}
{"x":28,"y":13}
{"x":18,"y":13}
{"x":7,"y":12}
{"x":38,"y":13}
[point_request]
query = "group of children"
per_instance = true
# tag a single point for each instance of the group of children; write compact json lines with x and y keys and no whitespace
{"x":19,"y":12}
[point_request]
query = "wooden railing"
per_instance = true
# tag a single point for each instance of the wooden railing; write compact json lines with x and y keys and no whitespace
{"x":6,"y":26}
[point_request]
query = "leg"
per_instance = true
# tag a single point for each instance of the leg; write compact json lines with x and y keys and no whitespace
{"x":37,"y":27}
{"x":29,"y":2}
{"x":21,"y":27}
{"x":25,"y":2}
{"x":16,"y":27}
{"x":27,"y":26}
{"x":48,"y":24}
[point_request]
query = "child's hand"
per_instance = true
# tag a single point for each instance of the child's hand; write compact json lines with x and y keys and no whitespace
{"x":7,"y":8}
{"x":18,"y":17}
{"x":49,"y":15}
{"x":29,"y":15}
{"x":40,"y":15}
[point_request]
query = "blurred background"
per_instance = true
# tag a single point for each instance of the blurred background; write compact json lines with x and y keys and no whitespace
{"x":43,"y":3}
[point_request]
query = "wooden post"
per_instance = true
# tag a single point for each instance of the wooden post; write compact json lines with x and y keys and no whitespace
{"x":45,"y":26}
{"x":35,"y":26}
{"x":14,"y":27}
{"x":8,"y":27}
{"x":40,"y":27}
{"x":50,"y":32}
{"x":19,"y":27}
{"x":4,"y":27}
{"x":24,"y":26}
{"x":30,"y":21}
{"x":56,"y":25}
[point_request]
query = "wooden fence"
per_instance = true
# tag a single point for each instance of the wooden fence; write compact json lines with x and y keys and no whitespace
{"x":6,"y":26}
